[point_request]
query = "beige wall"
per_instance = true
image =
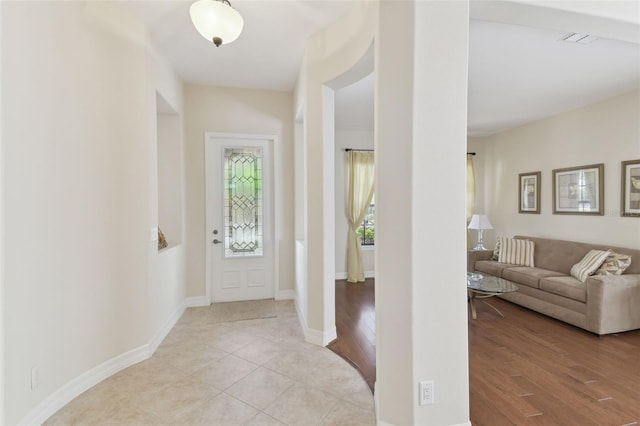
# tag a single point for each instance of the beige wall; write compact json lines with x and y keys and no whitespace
{"x":606,"y":132}
{"x":243,"y":111}
{"x":79,"y":142}
{"x":358,"y":139}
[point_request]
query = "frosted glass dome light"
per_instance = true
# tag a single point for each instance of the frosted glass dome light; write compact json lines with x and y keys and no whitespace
{"x":216,"y":20}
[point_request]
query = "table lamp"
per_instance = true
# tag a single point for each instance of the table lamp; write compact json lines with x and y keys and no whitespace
{"x":480,"y":222}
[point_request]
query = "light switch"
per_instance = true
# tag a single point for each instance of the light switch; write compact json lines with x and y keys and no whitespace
{"x":154,"y":234}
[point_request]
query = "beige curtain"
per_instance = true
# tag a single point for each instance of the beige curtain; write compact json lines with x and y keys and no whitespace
{"x":361,"y":179}
{"x":471,"y":194}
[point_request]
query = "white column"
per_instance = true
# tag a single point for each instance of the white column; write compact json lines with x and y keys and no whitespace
{"x":421,"y":66}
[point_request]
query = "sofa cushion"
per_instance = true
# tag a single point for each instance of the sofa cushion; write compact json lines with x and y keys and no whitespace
{"x":565,"y":286}
{"x":589,"y":264}
{"x":528,"y":276}
{"x":491,"y":267}
{"x":614,"y":264}
{"x":516,"y":252}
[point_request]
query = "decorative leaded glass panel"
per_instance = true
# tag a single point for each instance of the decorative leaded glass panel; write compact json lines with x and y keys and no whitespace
{"x":243,"y":206}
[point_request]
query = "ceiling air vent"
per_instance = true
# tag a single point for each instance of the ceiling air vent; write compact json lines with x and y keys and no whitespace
{"x":579,"y":38}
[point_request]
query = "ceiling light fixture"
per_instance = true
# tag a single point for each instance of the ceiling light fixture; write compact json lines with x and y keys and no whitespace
{"x":216,"y":20}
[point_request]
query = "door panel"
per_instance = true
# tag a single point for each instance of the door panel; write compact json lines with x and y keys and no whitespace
{"x":239,"y":208}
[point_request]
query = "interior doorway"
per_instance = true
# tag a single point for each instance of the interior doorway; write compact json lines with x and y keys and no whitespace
{"x":355,"y":312}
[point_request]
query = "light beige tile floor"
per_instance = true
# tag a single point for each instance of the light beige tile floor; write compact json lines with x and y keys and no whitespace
{"x":217,"y":367}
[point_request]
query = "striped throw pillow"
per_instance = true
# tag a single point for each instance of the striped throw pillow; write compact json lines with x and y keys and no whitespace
{"x":516,"y":252}
{"x":614,"y":264}
{"x":589,"y":264}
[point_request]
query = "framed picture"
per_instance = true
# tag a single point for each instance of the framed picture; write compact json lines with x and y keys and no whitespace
{"x":579,"y":190}
{"x":529,"y":193}
{"x":630,"y":198}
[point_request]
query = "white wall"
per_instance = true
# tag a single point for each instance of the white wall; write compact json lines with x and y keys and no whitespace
{"x":606,"y":132}
{"x":420,"y":179}
{"x":357,"y":139}
{"x":79,"y":137}
{"x":228,"y":110}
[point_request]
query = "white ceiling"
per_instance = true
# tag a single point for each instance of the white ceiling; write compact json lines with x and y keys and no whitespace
{"x":267,"y":55}
{"x":517,"y":73}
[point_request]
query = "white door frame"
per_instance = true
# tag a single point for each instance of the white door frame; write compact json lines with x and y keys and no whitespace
{"x":209,"y":140}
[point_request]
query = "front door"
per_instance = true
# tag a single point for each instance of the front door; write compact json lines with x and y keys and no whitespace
{"x":240,"y":217}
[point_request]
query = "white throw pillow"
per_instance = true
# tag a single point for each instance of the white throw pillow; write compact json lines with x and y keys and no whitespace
{"x":589,"y":264}
{"x":516,"y":252}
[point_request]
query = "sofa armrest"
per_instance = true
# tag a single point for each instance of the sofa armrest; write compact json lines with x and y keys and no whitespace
{"x":475,"y":255}
{"x":613,"y":303}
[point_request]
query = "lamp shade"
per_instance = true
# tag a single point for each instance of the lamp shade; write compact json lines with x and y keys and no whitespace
{"x":480,"y":221}
{"x":216,"y":20}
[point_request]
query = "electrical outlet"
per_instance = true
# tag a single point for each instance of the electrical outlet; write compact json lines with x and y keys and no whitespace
{"x":35,"y":376}
{"x":426,"y":389}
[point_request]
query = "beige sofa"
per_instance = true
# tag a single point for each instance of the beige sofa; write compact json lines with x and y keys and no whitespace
{"x":603,"y":304}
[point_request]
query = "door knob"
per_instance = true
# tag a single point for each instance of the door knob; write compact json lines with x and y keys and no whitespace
{"x":217,"y":241}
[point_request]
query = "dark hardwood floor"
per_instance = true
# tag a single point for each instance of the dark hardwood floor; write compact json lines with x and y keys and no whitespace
{"x":529,"y":368}
{"x":356,"y":327}
{"x":524,"y":368}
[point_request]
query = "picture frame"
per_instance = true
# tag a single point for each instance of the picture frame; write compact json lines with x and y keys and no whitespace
{"x":630,"y":185}
{"x":529,"y":192}
{"x":579,"y":190}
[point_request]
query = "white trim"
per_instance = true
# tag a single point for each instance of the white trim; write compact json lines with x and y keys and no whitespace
{"x":2,"y":251}
{"x":162,"y":332}
{"x":197,"y":301}
{"x":83,"y":382}
{"x":343,"y":275}
{"x":376,"y":403}
{"x":316,"y":337}
{"x":277,"y":204}
{"x":301,"y":318}
{"x":319,"y":337}
{"x":285,"y":294}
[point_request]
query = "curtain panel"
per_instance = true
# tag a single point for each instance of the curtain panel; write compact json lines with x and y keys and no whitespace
{"x":471,"y":194}
{"x":361,"y":188}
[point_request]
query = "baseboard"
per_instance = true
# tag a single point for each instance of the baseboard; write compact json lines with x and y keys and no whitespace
{"x":343,"y":275}
{"x":61,"y":397}
{"x":51,"y":404}
{"x":166,"y":328}
{"x":316,"y":337}
{"x":376,"y":404}
{"x":320,"y":338}
{"x":286,"y":295}
{"x":197,"y":301}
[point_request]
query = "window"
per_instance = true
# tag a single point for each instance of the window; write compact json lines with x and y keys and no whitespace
{"x":367,"y":231}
